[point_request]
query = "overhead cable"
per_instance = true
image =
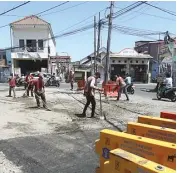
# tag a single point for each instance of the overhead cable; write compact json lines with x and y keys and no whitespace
{"x":14,"y":8}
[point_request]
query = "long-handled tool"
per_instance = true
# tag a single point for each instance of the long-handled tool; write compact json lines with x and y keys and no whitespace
{"x":46,"y":107}
{"x":24,"y":95}
{"x":102,"y":117}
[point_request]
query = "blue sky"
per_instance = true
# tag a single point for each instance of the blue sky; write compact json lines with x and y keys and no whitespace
{"x":80,"y":45}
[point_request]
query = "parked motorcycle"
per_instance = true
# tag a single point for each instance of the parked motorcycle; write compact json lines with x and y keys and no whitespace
{"x":20,"y":82}
{"x":169,"y":93}
{"x":131,"y":89}
{"x":53,"y":82}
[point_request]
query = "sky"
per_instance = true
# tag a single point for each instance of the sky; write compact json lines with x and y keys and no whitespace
{"x":80,"y":45}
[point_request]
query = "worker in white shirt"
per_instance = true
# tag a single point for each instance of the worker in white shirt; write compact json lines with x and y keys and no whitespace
{"x":89,"y":92}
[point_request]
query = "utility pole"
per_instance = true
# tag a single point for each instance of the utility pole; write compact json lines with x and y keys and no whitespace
{"x":109,"y":43}
{"x":98,"y":42}
{"x":94,"y":44}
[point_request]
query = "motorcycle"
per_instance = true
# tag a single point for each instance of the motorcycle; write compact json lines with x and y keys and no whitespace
{"x":169,"y":93}
{"x":52,"y":82}
{"x":131,"y":89}
{"x":20,"y":82}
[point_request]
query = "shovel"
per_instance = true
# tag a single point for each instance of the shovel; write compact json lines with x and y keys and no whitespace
{"x":24,"y":95}
{"x":102,"y":117}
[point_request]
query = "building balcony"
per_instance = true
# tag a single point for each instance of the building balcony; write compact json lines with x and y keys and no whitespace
{"x":28,"y":49}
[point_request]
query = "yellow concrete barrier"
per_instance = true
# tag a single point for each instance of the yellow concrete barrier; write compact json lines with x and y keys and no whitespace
{"x":154,"y":132}
{"x":155,"y":121}
{"x":125,"y":162}
{"x":158,"y":151}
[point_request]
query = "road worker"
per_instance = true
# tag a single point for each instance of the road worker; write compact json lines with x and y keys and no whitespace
{"x":12,"y":84}
{"x":39,"y":91}
{"x":89,"y":92}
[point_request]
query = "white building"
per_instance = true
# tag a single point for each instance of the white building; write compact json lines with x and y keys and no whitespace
{"x":32,"y":37}
{"x":132,"y":62}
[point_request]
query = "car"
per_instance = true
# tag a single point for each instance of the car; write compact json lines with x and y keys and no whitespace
{"x":46,"y":76}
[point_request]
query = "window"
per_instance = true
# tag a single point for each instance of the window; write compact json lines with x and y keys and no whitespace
{"x":136,"y":61}
{"x":143,"y":62}
{"x":4,"y":56}
{"x":40,"y":45}
{"x":119,"y":61}
{"x":130,"y":61}
{"x":22,"y":44}
{"x":113,"y":61}
{"x":9,"y":61}
{"x":31,"y":45}
{"x":125,"y":61}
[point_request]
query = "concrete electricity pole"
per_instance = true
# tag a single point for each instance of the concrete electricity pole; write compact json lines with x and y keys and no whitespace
{"x":94,"y":44}
{"x":99,"y":34}
{"x":109,"y":43}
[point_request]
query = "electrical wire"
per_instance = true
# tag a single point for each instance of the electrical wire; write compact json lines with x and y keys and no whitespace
{"x":59,"y":36}
{"x":65,"y":8}
{"x":39,"y":14}
{"x":164,"y":10}
{"x":14,"y":8}
{"x":128,"y":9}
{"x":151,"y":15}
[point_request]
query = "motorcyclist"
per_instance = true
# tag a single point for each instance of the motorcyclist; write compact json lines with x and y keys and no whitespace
{"x":167,"y":83}
{"x":128,"y":80}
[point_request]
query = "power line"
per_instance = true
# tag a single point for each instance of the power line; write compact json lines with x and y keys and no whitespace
{"x":81,"y":21}
{"x":14,"y":8}
{"x":164,"y":10}
{"x":65,"y":8}
{"x":150,"y":15}
{"x":38,"y":14}
{"x":128,"y":9}
{"x":87,"y":27}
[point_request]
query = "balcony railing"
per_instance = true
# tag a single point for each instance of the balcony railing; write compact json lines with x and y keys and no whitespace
{"x":28,"y":49}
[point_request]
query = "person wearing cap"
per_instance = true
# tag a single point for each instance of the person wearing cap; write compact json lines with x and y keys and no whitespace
{"x":39,"y":91}
{"x":89,"y":92}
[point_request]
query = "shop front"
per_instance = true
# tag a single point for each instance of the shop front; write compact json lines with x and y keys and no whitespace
{"x":131,"y":62}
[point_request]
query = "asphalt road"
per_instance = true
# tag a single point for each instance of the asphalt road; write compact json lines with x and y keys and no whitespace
{"x":38,"y":141}
{"x":139,"y":89}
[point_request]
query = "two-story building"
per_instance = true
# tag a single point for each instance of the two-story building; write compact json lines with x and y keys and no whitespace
{"x":32,"y":45}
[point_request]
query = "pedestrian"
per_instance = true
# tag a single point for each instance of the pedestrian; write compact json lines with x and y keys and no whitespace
{"x":71,"y":78}
{"x":12,"y":84}
{"x":89,"y":92}
{"x":39,"y":91}
{"x":30,"y":85}
{"x":122,"y":87}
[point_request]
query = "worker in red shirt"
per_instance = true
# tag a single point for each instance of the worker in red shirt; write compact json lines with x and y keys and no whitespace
{"x":39,"y":91}
{"x":12,"y":84}
{"x":29,"y":85}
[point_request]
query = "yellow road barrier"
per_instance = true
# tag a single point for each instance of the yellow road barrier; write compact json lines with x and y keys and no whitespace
{"x":158,"y":151}
{"x":125,"y":162}
{"x":154,"y":132}
{"x":161,"y":122}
